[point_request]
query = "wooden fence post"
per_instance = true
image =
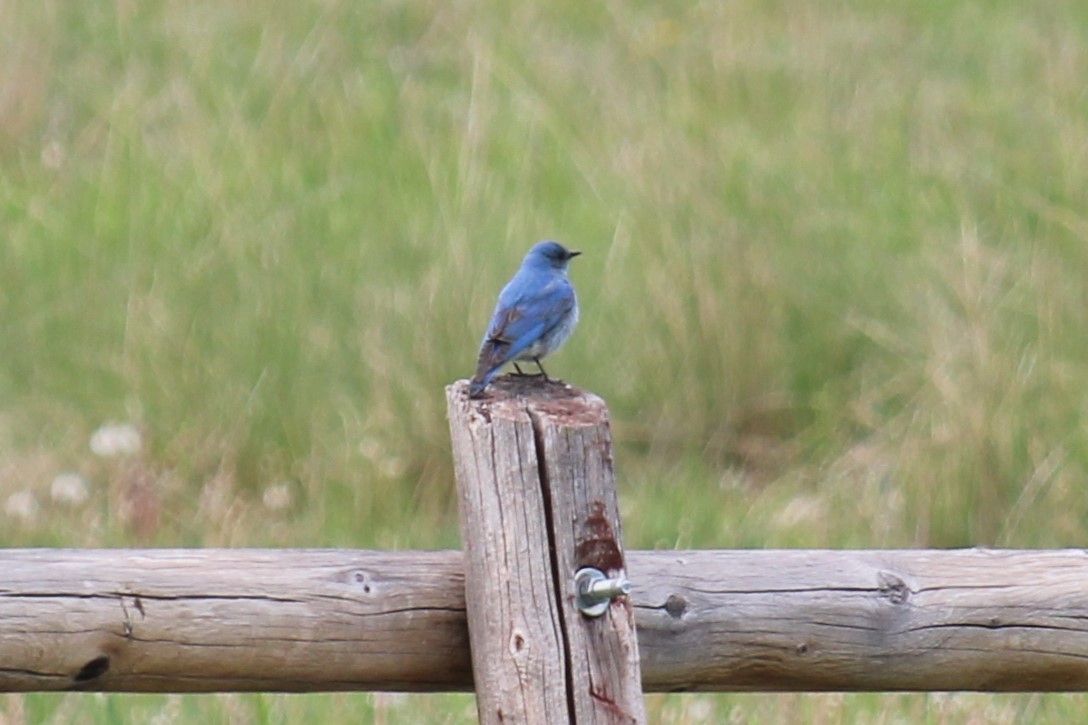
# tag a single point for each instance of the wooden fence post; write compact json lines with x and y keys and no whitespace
{"x":537,"y":495}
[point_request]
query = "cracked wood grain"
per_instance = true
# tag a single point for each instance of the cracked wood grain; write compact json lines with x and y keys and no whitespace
{"x":214,"y":620}
{"x":538,"y":500}
{"x":575,"y":443}
{"x":217,"y":620}
{"x":986,"y":620}
{"x":513,"y":620}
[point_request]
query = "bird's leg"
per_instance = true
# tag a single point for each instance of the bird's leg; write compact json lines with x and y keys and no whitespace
{"x":546,"y":378}
{"x":519,"y":370}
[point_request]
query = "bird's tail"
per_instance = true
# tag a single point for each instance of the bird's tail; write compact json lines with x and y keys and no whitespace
{"x":494,"y":354}
{"x":476,"y":387}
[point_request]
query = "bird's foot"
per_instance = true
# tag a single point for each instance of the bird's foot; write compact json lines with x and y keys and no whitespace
{"x":542,"y":373}
{"x":519,"y":373}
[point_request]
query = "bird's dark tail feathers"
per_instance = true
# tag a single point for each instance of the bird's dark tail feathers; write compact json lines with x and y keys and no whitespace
{"x":477,"y":386}
{"x":493,"y":355}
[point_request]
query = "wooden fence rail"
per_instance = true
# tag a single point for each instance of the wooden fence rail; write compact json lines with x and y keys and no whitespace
{"x":213,"y":620}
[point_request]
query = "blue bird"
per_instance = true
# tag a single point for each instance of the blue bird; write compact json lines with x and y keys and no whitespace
{"x":536,"y":313}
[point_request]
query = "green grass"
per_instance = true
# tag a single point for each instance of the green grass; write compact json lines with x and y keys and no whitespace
{"x":833,"y":285}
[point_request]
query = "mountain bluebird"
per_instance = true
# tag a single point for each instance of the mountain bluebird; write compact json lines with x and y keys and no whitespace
{"x":536,"y":313}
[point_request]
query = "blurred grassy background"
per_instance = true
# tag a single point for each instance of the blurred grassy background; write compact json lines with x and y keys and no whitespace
{"x":833,"y":285}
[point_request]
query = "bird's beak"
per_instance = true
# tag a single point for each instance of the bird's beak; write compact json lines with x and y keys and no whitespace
{"x":572,"y":255}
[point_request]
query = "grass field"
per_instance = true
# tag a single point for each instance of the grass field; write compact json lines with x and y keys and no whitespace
{"x":833,"y":283}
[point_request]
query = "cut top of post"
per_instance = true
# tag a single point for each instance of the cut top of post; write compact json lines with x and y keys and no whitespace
{"x":516,"y":395}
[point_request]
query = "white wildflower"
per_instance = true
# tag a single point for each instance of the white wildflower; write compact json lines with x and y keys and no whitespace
{"x":116,"y":439}
{"x":278,"y":497}
{"x":69,"y":489}
{"x":21,"y":505}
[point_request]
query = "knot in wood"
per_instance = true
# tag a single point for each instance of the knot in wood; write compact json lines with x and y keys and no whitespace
{"x":518,"y":643}
{"x":93,"y":669}
{"x":362,"y":580}
{"x":675,"y":606}
{"x":894,"y":589}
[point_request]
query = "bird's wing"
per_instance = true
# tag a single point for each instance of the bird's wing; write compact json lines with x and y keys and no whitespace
{"x":521,"y":318}
{"x":521,"y":314}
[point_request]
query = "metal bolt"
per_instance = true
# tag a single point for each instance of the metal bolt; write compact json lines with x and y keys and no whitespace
{"x":594,"y":591}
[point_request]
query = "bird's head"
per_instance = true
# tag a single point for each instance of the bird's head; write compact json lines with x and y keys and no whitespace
{"x":549,"y":254}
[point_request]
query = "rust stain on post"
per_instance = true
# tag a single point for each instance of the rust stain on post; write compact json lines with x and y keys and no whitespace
{"x":597,"y":546}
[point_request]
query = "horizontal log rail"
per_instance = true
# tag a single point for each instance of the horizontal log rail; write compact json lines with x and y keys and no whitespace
{"x":213,"y":620}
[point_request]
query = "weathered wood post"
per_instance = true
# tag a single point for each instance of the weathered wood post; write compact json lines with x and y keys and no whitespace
{"x":538,"y":503}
